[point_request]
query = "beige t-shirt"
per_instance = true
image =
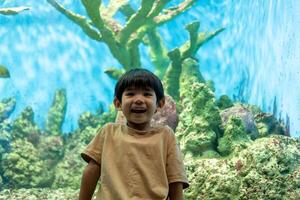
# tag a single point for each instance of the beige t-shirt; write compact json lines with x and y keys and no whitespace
{"x":136,"y":164}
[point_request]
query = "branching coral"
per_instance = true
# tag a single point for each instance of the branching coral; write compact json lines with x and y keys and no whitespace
{"x":179,"y":55}
{"x":123,"y":41}
{"x":140,"y":26}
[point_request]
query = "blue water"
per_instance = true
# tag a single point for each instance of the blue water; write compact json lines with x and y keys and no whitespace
{"x":255,"y":60}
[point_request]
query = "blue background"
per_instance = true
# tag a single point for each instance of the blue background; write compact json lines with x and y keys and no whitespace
{"x":255,"y":60}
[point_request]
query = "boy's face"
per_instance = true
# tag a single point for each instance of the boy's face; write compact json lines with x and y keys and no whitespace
{"x":138,"y":106}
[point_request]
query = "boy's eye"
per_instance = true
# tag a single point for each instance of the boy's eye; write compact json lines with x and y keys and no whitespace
{"x":148,"y":94}
{"x":129,"y":94}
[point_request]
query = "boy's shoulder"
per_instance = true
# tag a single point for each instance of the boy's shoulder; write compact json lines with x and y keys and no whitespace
{"x":111,"y":125}
{"x":163,"y":128}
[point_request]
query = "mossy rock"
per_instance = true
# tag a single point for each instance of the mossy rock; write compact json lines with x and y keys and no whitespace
{"x":269,"y":168}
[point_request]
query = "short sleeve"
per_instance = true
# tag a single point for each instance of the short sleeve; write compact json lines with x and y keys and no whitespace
{"x":175,"y":167}
{"x":94,"y":148}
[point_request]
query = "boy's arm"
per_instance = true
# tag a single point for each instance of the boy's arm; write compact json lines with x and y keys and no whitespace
{"x":176,"y":191}
{"x":89,"y":180}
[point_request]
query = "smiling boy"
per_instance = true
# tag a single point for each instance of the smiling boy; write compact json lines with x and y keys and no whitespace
{"x":136,"y":160}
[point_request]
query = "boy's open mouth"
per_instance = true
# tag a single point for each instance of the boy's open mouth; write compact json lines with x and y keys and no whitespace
{"x":138,"y":110}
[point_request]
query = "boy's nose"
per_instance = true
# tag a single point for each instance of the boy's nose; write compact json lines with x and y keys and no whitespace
{"x":138,"y":99}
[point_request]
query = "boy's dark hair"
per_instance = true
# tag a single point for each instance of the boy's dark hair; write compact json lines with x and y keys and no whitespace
{"x":139,"y":78}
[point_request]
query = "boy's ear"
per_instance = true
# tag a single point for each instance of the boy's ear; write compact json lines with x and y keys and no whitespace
{"x":161,"y":104}
{"x":117,"y":104}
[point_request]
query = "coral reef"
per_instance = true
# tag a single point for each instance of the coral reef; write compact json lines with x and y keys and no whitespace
{"x":231,"y":150}
{"x":267,"y":169}
{"x":57,"y":112}
{"x":222,"y":161}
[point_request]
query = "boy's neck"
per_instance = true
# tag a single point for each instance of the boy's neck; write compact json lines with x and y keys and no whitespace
{"x":140,"y":127}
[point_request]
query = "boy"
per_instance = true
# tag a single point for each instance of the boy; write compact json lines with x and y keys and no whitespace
{"x":135,"y":160}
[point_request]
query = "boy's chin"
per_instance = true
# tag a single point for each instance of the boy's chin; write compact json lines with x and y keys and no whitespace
{"x":139,"y":122}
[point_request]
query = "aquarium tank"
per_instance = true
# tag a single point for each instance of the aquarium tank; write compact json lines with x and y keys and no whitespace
{"x":230,"y":69}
